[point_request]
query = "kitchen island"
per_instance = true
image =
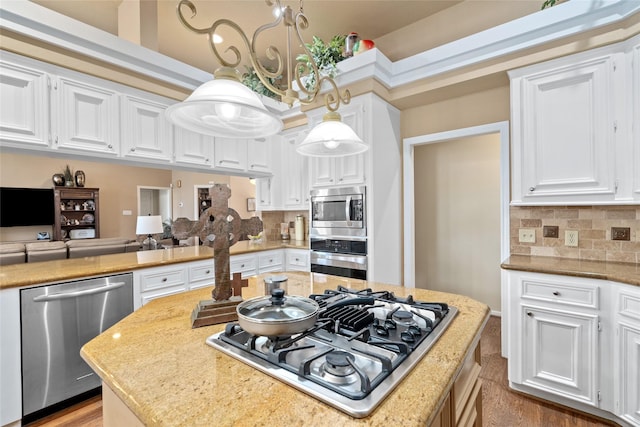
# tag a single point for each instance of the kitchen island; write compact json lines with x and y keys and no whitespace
{"x":156,"y":370}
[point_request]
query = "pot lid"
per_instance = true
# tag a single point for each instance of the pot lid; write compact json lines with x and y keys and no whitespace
{"x":278,"y":308}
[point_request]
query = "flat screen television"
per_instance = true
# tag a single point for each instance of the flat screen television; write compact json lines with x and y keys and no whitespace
{"x":26,"y":206}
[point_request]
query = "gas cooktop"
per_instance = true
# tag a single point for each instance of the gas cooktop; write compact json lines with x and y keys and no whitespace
{"x":354,"y":355}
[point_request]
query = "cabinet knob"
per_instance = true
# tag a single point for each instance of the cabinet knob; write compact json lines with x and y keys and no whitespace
{"x":132,"y":149}
{"x":110,"y":147}
{"x":261,"y":201}
{"x":340,"y":180}
{"x":556,"y":293}
{"x":530,"y":314}
{"x":164,"y":279}
{"x":207,"y":272}
{"x":532,"y":188}
{"x":220,"y":162}
{"x":206,"y":160}
{"x":242,"y":266}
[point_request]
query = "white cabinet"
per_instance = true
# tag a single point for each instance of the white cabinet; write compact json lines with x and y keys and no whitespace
{"x":260,"y":155}
{"x":145,"y":130}
{"x":192,"y":148}
{"x":627,"y":351}
{"x":271,"y":261}
{"x":10,"y":358}
{"x":152,"y":283}
{"x":230,"y":154}
{"x":265,"y":199}
{"x":297,"y":260}
{"x":633,"y":61}
{"x":571,"y":130}
{"x":85,"y":117}
{"x":559,"y":351}
{"x":201,"y":274}
{"x":344,"y":170}
{"x":247,"y":264}
{"x":24,"y":106}
{"x":295,"y":173}
{"x":555,"y":338}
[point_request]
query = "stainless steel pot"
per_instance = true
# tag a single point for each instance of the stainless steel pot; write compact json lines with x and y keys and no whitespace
{"x":280,"y":316}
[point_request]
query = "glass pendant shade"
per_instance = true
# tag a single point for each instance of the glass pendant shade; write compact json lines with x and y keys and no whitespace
{"x":331,"y":138}
{"x":224,"y":107}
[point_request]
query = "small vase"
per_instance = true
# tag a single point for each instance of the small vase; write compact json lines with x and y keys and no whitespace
{"x":80,"y":178}
{"x":68,"y":182}
{"x":58,"y":179}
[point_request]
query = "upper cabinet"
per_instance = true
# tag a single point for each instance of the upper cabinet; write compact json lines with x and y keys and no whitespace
{"x":294,"y":172}
{"x":192,"y":148}
{"x":146,"y":133}
{"x":48,"y":108}
{"x":24,"y":112}
{"x":84,"y":116}
{"x":571,"y":129}
{"x":344,"y":170}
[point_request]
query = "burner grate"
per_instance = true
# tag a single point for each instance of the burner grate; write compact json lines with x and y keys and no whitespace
{"x":350,"y":318}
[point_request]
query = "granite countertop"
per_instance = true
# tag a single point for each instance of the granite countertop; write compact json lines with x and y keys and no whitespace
{"x":35,"y":273}
{"x":628,"y":273}
{"x":167,"y":375}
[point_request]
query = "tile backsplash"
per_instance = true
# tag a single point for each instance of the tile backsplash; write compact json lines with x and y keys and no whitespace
{"x":271,"y":221}
{"x":593,"y":224}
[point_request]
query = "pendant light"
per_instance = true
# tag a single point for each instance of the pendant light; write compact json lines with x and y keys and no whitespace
{"x":225,"y":107}
{"x":331,"y":138}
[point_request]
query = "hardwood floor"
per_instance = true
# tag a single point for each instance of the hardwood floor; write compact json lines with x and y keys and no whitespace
{"x":501,"y":407}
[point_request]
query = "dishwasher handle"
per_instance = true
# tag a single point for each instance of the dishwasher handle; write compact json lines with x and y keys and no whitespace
{"x":74,"y":294}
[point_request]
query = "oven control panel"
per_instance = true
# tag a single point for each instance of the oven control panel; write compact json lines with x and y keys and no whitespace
{"x":358,"y":247}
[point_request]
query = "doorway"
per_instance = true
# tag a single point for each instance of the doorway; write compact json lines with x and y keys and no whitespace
{"x":155,"y":201}
{"x":456,"y":211}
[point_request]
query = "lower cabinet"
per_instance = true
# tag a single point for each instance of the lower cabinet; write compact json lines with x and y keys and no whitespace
{"x":575,"y":341}
{"x":463,"y":406}
{"x":158,"y":282}
{"x":297,"y":260}
{"x":560,"y":352}
{"x":628,"y":354}
{"x":246,"y":264}
{"x":271,"y":261}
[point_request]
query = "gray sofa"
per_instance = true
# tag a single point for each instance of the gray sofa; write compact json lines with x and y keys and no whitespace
{"x":18,"y":252}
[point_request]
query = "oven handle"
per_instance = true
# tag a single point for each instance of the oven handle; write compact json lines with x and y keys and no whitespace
{"x":357,"y":262}
{"x":74,"y":294}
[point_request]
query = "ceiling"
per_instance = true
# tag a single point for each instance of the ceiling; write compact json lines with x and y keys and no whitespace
{"x":370,"y":19}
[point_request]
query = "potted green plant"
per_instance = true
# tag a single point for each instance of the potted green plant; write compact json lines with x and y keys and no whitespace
{"x":326,"y":56}
{"x":251,"y":80}
{"x":68,"y":176}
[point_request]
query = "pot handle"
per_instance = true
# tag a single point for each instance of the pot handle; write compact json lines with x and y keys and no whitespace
{"x":277,"y":296}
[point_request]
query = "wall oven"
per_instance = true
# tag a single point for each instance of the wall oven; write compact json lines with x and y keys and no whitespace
{"x":345,"y":258}
{"x":338,"y":212}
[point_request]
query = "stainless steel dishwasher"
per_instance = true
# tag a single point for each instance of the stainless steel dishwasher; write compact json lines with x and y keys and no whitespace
{"x":57,"y":320}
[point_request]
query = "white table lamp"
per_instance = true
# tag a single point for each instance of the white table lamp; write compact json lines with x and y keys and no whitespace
{"x":150,"y":224}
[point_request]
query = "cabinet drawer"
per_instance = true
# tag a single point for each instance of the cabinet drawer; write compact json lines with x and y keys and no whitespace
{"x":629,"y":305}
{"x":270,"y":259}
{"x":247,"y":265}
{"x":162,"y":279}
{"x":202,"y":272}
{"x":298,"y":261}
{"x":577,"y":295}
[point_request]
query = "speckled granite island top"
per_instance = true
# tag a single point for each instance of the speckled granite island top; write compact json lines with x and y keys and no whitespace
{"x":168,"y":376}
{"x":628,"y":273}
{"x":34,"y":273}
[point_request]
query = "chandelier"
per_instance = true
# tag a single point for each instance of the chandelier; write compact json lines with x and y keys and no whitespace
{"x":224,"y":107}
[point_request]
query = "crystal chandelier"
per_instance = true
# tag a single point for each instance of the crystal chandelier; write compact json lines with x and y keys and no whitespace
{"x":225,"y":107}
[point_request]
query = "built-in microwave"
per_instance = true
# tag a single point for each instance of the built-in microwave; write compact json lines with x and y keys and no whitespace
{"x":338,"y":212}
